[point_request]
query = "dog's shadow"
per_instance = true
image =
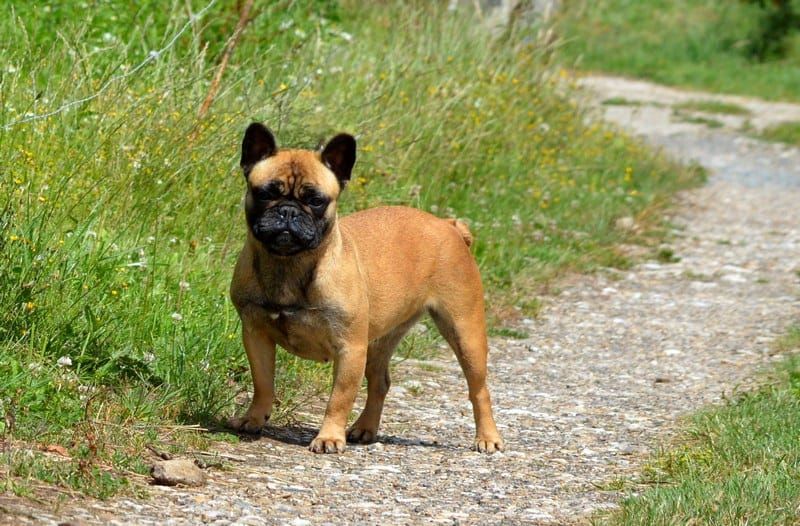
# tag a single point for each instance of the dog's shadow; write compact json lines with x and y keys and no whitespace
{"x":302,"y":435}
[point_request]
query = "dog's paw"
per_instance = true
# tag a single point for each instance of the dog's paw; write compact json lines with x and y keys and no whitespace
{"x":248,"y":423}
{"x":360,"y":435}
{"x":489,"y":444}
{"x":328,"y":444}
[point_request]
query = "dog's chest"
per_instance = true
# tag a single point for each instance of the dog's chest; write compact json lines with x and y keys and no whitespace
{"x":306,"y":332}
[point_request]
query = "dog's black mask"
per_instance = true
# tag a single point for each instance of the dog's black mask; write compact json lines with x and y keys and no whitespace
{"x":285,"y":219}
{"x":284,"y":228}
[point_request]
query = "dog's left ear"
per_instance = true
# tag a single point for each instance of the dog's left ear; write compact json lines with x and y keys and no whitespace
{"x":258,"y":144}
{"x":340,"y":155}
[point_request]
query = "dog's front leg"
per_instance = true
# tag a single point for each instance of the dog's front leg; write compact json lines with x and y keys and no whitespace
{"x":348,"y":371}
{"x":260,"y":351}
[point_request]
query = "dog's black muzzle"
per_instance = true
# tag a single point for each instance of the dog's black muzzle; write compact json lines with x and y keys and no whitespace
{"x":286,"y":230}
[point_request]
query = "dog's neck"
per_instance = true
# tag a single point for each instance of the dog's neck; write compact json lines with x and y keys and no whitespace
{"x":286,"y":280}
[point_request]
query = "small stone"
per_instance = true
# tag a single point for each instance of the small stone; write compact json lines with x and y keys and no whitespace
{"x":734,"y":278}
{"x":300,"y":522}
{"x":251,"y":520}
{"x":178,"y":471}
{"x":626,"y":223}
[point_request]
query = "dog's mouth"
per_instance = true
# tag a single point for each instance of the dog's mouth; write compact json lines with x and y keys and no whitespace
{"x":283,"y":242}
{"x":286,"y":230}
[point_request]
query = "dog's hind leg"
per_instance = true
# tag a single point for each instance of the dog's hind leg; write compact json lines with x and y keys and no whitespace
{"x":463,"y":325}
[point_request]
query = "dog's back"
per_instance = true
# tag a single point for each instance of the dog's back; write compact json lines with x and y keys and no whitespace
{"x":430,"y":256}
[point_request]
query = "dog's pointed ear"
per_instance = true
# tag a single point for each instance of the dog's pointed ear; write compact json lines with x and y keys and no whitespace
{"x":339,"y":155}
{"x":258,"y":144}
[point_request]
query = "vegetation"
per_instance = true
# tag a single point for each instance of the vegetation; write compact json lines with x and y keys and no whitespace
{"x":122,"y":214}
{"x":735,"y":464}
{"x":712,"y":106}
{"x":749,"y":47}
{"x":786,"y":132}
{"x":697,"y":119}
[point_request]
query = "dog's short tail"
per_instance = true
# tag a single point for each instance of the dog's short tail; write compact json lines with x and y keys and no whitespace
{"x":463,"y":229}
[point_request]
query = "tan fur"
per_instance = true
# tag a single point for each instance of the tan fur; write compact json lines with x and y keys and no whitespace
{"x":369,"y":281}
{"x":463,"y":230}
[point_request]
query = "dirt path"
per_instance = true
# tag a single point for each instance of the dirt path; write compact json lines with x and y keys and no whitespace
{"x":609,"y":366}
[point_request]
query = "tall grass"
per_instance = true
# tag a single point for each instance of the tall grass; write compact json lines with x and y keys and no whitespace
{"x":122,"y":216}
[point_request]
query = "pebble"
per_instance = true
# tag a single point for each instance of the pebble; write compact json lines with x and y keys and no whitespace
{"x":177,"y":471}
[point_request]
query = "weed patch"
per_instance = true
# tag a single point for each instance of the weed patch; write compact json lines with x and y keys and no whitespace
{"x":785,"y":132}
{"x":712,"y":106}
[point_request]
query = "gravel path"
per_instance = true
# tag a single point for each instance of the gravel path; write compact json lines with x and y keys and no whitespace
{"x":609,"y":366}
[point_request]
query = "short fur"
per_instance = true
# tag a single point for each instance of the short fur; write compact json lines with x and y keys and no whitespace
{"x":352,"y":295}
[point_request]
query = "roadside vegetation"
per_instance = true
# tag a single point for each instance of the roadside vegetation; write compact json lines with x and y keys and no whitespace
{"x":785,"y":132}
{"x":121,"y":215}
{"x":750,"y":47}
{"x":712,"y":106}
{"x":734,"y":464}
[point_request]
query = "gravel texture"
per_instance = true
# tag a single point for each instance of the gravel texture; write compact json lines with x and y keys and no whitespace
{"x":612,"y":363}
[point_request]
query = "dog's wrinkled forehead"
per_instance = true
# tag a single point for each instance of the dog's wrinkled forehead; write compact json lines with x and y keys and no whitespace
{"x":296,"y":169}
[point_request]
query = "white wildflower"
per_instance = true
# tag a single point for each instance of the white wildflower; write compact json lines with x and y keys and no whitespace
{"x":64,"y":361}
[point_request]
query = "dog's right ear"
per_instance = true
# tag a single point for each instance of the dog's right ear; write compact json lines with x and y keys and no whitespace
{"x":258,"y":144}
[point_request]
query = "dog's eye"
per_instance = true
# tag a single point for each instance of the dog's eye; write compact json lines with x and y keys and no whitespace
{"x":316,"y":201}
{"x":268,"y":193}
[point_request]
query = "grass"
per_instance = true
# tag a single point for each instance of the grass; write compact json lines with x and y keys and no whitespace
{"x":696,"y":119}
{"x":785,"y":132}
{"x":693,"y":43}
{"x":789,"y":341}
{"x":122,"y":216}
{"x":712,"y":106}
{"x":734,"y":464}
{"x":621,"y":101}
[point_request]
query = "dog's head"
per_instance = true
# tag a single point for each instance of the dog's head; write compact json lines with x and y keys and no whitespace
{"x":291,"y":194}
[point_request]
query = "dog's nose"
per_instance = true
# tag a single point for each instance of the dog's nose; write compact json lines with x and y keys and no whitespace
{"x":288,"y":213}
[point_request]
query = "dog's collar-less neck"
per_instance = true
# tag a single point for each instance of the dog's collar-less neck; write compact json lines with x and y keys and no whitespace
{"x":289,"y":308}
{"x":278,"y":310}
